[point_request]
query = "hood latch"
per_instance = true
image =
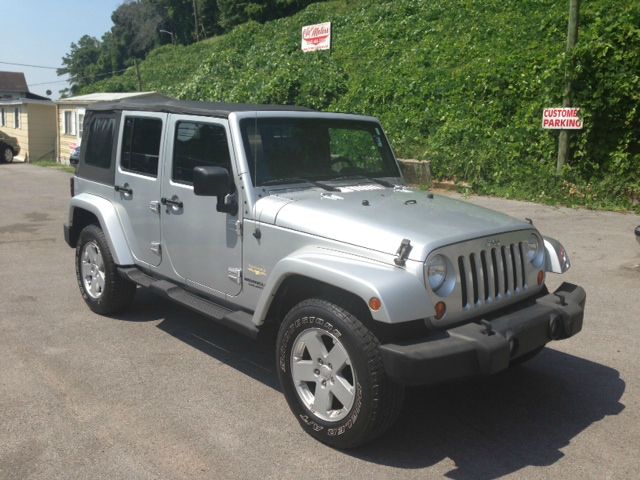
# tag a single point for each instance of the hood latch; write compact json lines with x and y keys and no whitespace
{"x":403,"y":252}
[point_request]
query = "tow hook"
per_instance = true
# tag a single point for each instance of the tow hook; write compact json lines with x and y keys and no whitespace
{"x":488,"y":329}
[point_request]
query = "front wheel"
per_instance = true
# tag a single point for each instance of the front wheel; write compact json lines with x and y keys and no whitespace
{"x":332,"y":375}
{"x":101,"y":286}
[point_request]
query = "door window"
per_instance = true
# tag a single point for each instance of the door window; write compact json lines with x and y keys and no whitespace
{"x":141,"y":145}
{"x":198,"y":144}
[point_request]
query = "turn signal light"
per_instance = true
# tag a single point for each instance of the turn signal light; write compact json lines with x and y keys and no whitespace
{"x":540,"y":277}
{"x":375,"y":304}
{"x":441,"y":309}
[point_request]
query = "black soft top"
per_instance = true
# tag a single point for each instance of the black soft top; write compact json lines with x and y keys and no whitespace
{"x":159,"y":103}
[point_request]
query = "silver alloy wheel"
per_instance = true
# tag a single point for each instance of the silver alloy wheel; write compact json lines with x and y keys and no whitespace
{"x":8,"y":155}
{"x":92,"y":269}
{"x":323,"y":375}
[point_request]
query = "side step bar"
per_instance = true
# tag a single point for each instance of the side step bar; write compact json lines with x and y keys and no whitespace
{"x":237,"y":320}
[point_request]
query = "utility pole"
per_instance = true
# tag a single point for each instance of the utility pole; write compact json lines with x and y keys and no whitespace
{"x":195,"y":19}
{"x":135,"y":62}
{"x":572,"y":39}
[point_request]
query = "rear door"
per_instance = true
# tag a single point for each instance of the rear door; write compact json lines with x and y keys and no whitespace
{"x":203,"y":245}
{"x":137,"y":183}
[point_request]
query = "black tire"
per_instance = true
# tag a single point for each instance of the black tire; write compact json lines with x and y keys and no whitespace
{"x":377,"y":400}
{"x":527,"y":356}
{"x":7,"y":155}
{"x":118,"y":292}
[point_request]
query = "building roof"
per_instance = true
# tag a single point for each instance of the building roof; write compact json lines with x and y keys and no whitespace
{"x":103,"y":97}
{"x":13,"y":82}
{"x":159,"y":103}
{"x":26,"y":101}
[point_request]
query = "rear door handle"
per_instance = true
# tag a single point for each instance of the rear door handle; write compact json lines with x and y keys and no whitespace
{"x":126,"y":190}
{"x":173,"y":203}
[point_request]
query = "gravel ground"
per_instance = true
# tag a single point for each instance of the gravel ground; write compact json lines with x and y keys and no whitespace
{"x":161,"y":392}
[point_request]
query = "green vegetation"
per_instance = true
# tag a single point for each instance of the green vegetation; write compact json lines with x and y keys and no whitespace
{"x":139,"y":26}
{"x":459,"y":82}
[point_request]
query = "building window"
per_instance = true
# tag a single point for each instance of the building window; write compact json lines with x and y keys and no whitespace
{"x":3,"y":120}
{"x":80,"y":124}
{"x":69,"y":123}
{"x":16,"y":117}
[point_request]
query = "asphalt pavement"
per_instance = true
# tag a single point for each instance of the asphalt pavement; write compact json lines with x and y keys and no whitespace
{"x":163,"y":393}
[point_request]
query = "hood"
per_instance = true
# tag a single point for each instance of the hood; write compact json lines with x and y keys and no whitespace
{"x":380,"y":218}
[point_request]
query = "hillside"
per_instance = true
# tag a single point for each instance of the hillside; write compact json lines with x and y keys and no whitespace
{"x":459,"y":82}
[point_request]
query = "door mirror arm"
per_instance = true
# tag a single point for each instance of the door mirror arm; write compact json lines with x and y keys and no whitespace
{"x":228,"y":203}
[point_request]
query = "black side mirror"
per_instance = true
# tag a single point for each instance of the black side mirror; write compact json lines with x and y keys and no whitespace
{"x":215,"y":182}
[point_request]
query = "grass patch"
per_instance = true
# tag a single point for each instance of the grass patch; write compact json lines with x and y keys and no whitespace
{"x":54,"y":165}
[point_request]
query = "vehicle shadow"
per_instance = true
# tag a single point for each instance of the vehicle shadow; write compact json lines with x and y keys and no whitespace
{"x":488,"y":427}
{"x":253,"y":358}
{"x":497,"y":425}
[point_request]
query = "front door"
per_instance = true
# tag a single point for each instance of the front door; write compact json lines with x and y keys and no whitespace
{"x":137,"y":184}
{"x":203,"y":245}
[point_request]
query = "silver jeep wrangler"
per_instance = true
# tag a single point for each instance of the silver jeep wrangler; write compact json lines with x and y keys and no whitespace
{"x":297,"y":226}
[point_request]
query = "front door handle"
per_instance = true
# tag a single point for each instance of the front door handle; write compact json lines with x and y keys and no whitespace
{"x":124,"y":189}
{"x":173,"y":203}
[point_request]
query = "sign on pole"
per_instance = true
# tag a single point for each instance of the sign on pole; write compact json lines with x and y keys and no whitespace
{"x":567,"y":118}
{"x":316,"y":37}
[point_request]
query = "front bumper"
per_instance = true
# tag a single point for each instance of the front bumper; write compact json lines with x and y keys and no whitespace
{"x":487,"y":346}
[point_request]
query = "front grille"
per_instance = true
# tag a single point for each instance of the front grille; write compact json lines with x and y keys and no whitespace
{"x":492,"y":274}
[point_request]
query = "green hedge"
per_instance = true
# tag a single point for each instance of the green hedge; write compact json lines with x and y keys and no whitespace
{"x":459,"y":82}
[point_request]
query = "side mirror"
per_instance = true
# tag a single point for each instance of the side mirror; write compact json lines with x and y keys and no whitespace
{"x":215,"y":182}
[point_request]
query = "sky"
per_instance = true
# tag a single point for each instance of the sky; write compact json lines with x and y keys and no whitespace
{"x":40,"y":32}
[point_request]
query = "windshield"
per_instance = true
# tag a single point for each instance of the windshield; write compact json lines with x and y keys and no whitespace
{"x":288,"y":150}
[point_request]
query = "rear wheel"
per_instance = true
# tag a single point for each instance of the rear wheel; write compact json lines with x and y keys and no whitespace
{"x":332,"y":375}
{"x":7,"y":155}
{"x":101,"y":286}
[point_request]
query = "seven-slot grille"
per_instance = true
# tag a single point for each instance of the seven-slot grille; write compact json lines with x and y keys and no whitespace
{"x":492,"y":274}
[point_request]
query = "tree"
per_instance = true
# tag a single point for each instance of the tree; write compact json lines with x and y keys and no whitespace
{"x":135,"y":29}
{"x":81,"y":63}
{"x":235,"y":12}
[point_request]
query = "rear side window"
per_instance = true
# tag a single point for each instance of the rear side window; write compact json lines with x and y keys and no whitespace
{"x":100,"y":142}
{"x":198,"y":144}
{"x":141,"y":145}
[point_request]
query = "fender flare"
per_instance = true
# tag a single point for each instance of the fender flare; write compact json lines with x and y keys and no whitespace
{"x":403,"y":296}
{"x":106,"y":214}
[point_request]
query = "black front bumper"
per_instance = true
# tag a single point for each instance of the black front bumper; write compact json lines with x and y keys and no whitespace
{"x":487,"y":347}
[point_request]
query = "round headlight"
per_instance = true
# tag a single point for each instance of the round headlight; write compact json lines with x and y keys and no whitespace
{"x":533,"y":246}
{"x":436,"y":272}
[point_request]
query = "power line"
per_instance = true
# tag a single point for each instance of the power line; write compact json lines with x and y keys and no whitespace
{"x":29,"y":65}
{"x":100,"y":75}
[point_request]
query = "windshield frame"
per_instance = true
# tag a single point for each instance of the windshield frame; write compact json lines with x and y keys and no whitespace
{"x":362,"y":123}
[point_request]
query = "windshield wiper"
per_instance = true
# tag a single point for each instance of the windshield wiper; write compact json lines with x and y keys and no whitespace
{"x":289,"y":180}
{"x":379,"y":181}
